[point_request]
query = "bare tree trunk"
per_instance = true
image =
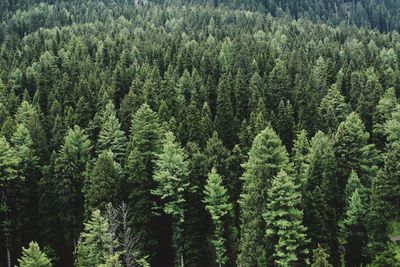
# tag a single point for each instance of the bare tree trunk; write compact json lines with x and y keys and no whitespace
{"x":8,"y":256}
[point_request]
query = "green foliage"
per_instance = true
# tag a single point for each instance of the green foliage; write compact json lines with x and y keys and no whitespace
{"x":217,"y":204}
{"x":33,"y":257}
{"x":266,"y":158}
{"x":353,"y":230}
{"x":285,"y":233}
{"x":111,"y":136}
{"x":332,"y":110}
{"x":96,"y":244}
{"x":103,"y":183}
{"x":320,"y":195}
{"x":171,"y":175}
{"x":320,"y":258}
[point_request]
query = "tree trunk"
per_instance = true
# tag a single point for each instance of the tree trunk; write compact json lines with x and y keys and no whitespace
{"x":8,"y":256}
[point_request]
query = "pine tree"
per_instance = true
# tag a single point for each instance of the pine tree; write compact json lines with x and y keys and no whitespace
{"x":383,"y":112}
{"x":96,"y":246}
{"x":284,"y":124}
{"x":350,"y":141}
{"x":111,"y":136}
{"x":353,"y":231}
{"x":197,"y":222}
{"x":242,"y":94}
{"x":217,"y":204}
{"x":24,"y":190}
{"x":257,"y":91}
{"x":171,"y":176}
{"x":9,"y":164}
{"x":332,"y":110}
{"x":29,"y":116}
{"x":392,"y":178}
{"x":103,"y":183}
{"x":285,"y":233}
{"x":377,"y":226}
{"x":145,"y":143}
{"x":33,"y":257}
{"x":266,"y":158}
{"x":392,"y":126}
{"x":224,"y":118}
{"x":300,"y":151}
{"x":69,"y":172}
{"x":320,"y":195}
{"x":320,"y":258}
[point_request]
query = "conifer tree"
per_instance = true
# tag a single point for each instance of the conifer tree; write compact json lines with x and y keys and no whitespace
{"x":284,"y":123}
{"x":29,"y":116}
{"x":353,"y":231}
{"x":332,"y":110}
{"x":103,"y":183}
{"x":285,"y":233}
{"x":350,"y":141}
{"x":300,"y":151}
{"x":70,"y":168}
{"x":217,"y":204}
{"x":383,"y":112}
{"x":196,"y":217}
{"x":242,"y":94}
{"x":266,"y":158}
{"x":392,"y":178}
{"x":145,"y":143}
{"x":96,"y":246}
{"x":33,"y":257}
{"x":224,"y":118}
{"x":9,"y":164}
{"x":111,"y":136}
{"x":320,"y":258}
{"x":24,"y":190}
{"x":171,"y":176}
{"x":319,"y":195}
{"x":377,"y":225}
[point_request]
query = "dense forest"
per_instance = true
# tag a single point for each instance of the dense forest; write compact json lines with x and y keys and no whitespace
{"x":199,"y":133}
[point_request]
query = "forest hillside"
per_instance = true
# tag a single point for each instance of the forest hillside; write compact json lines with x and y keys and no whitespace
{"x":199,"y":133}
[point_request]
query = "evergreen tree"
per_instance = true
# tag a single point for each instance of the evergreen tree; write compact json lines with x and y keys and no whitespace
{"x":29,"y":116}
{"x":320,"y":258}
{"x":171,"y":175}
{"x":24,"y":190}
{"x":300,"y":151}
{"x":9,"y":164}
{"x":320,"y":195}
{"x":392,"y":178}
{"x":242,"y":94}
{"x":224,"y":118}
{"x":266,"y":158}
{"x":350,"y":141}
{"x":383,"y":112}
{"x":377,"y":226}
{"x":284,"y":124}
{"x":145,"y":143}
{"x":70,"y":168}
{"x":332,"y":110}
{"x":111,"y":136}
{"x":96,"y":246}
{"x":217,"y":204}
{"x":33,"y":257}
{"x":103,"y":183}
{"x":285,"y":233}
{"x":353,"y":231}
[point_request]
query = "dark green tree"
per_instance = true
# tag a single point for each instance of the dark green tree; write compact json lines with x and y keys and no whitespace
{"x":266,"y":158}
{"x":218,"y":205}
{"x":285,"y":233}
{"x":171,"y":175}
